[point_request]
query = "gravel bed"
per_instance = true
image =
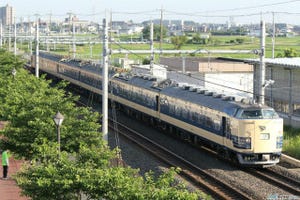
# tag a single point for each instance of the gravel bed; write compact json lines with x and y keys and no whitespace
{"x":292,"y":173}
{"x":137,"y":158}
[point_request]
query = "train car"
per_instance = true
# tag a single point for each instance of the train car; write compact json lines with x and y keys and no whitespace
{"x":247,"y":133}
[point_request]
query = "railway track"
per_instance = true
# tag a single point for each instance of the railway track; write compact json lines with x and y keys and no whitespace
{"x":198,"y":177}
{"x":286,"y":183}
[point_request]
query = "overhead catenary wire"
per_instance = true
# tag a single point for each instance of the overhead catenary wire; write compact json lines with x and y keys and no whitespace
{"x":157,"y":12}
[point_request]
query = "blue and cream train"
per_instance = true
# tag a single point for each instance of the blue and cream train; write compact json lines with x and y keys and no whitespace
{"x":250,"y":134}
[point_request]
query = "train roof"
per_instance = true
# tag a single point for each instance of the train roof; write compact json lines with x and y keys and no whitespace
{"x":205,"y":98}
{"x":216,"y":103}
{"x":173,"y":88}
{"x":87,"y":65}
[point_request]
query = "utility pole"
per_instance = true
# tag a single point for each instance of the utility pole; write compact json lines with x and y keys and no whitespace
{"x":74,"y":40}
{"x":21,"y":29}
{"x":37,"y":47}
{"x":161,"y":28}
{"x":183,"y":63}
{"x":262,"y":67}
{"x":9,"y":37}
{"x":1,"y":34}
{"x":15,"y":38}
{"x":151,"y":48}
{"x":30,"y":39}
{"x":110,"y":31}
{"x":70,"y":15}
{"x":105,"y":82}
{"x":273,"y":38}
{"x":50,"y":23}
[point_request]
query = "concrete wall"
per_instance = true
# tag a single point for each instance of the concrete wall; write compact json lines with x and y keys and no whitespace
{"x":194,"y":64}
{"x":240,"y":84}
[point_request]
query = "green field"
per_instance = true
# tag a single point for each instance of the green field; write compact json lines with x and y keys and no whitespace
{"x":215,"y":43}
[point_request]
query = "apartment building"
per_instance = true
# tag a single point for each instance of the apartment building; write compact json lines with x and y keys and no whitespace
{"x":7,"y":15}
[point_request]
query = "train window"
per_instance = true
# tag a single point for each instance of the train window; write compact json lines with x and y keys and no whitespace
{"x":257,"y":114}
{"x":177,"y":111}
{"x":269,"y":114}
{"x":251,"y":114}
{"x":194,"y":116}
{"x":230,"y":111}
{"x":184,"y":113}
{"x":208,"y":122}
{"x":172,"y":109}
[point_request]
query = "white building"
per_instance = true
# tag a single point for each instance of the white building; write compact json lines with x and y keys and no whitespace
{"x":228,"y":76}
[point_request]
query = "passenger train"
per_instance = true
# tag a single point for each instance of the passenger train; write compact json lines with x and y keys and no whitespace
{"x":249,"y":134}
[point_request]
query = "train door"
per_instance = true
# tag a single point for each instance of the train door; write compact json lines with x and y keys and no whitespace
{"x":157,"y":103}
{"x":226,"y":130}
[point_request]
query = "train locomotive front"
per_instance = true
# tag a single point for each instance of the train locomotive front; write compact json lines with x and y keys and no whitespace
{"x":256,"y":134}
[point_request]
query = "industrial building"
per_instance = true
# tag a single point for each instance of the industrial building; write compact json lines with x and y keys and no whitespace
{"x":228,"y":76}
{"x":283,"y":92}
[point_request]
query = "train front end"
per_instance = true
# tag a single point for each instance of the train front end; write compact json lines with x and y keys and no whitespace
{"x":261,"y":136}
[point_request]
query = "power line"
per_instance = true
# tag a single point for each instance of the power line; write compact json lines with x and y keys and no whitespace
{"x":249,"y":7}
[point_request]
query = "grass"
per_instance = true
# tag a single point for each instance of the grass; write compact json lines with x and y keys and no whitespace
{"x":217,"y":42}
{"x":291,"y":143}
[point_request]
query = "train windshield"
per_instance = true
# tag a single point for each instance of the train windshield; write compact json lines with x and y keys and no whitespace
{"x":257,"y":114}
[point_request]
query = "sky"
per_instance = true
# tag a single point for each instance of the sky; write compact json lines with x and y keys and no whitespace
{"x":211,"y":11}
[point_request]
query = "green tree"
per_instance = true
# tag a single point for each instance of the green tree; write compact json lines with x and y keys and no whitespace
{"x":289,"y":53}
{"x":156,"y":32}
{"x":29,"y":105}
{"x":89,"y":173}
{"x":146,"y":61}
{"x":178,"y":41}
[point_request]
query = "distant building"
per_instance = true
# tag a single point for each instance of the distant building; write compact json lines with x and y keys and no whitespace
{"x":7,"y":15}
{"x":158,"y":71}
{"x":228,"y":76}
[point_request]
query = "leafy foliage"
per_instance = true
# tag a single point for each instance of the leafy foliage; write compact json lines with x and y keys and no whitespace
{"x":179,"y":41}
{"x":88,"y":174}
{"x":289,"y":53}
{"x":291,"y":145}
{"x":29,"y":104}
{"x":156,"y":32}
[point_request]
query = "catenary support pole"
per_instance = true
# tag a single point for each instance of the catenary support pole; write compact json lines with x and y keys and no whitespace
{"x":151,"y":48}
{"x":183,"y":63}
{"x":1,"y":34}
{"x":262,"y":67}
{"x":9,"y":37}
{"x":105,"y":82}
{"x":74,"y":40}
{"x":161,"y":29}
{"x":273,"y":36}
{"x":37,"y":65}
{"x":15,"y":37}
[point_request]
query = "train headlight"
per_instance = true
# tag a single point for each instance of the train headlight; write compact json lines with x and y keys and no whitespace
{"x":248,"y":140}
{"x":264,"y":136}
{"x":242,"y":142}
